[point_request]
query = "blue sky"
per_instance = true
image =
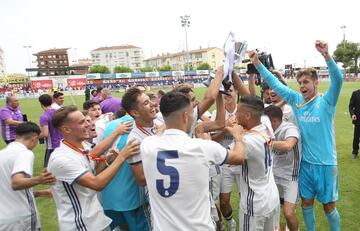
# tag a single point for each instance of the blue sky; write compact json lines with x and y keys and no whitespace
{"x":287,"y":29}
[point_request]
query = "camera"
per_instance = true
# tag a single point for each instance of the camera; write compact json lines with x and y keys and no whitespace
{"x":266,"y":60}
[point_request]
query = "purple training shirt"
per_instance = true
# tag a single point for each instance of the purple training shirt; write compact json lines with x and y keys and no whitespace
{"x":8,"y":131}
{"x":54,"y":137}
{"x":110,"y":104}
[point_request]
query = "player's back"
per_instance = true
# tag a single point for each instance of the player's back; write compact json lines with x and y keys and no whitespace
{"x":259,"y":195}
{"x":176,"y":169}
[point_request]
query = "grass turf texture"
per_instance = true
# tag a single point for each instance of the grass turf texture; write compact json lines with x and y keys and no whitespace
{"x":349,"y":169}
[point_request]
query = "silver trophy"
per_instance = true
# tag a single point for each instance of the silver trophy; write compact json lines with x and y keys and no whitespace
{"x":234,"y":51}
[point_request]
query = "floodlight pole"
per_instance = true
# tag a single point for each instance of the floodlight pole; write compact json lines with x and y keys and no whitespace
{"x":185,"y":22}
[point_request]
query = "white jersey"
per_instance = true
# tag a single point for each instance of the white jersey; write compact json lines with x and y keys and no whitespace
{"x":259,"y":194}
{"x":286,"y":165}
{"x":288,"y":114}
{"x":100,"y":125}
{"x":176,"y":168}
{"x":78,"y":207}
{"x":227,"y":140}
{"x":55,"y":106}
{"x":20,"y":204}
{"x":159,"y":120}
{"x":196,"y":117}
{"x":139,"y":134}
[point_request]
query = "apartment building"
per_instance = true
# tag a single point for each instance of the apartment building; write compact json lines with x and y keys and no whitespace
{"x":213,"y":56}
{"x":126,"y":56}
{"x":52,"y":62}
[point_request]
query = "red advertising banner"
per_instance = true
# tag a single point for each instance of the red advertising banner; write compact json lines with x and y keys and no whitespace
{"x":42,"y":84}
{"x":76,"y":83}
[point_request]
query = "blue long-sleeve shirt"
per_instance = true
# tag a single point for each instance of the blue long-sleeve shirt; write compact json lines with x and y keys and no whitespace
{"x":315,"y":119}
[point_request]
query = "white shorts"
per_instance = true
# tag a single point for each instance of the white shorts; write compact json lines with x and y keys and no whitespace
{"x":230,"y":175}
{"x":288,"y":190}
{"x":21,"y":225}
{"x":257,"y":223}
{"x":214,"y":186}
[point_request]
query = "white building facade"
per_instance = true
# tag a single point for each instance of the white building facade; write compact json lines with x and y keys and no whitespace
{"x":2,"y":63}
{"x":213,"y":56}
{"x":125,"y":56}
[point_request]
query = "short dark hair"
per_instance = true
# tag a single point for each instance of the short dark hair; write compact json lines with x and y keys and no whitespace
{"x":129,"y":99}
{"x":26,"y":129}
{"x":307,"y":71}
{"x":173,"y":101}
{"x":61,"y":115}
{"x":89,"y":104}
{"x":45,"y":100}
{"x":183,"y":88}
{"x":253,"y":103}
{"x":119,"y":113}
{"x":92,"y":91}
{"x":57,"y":94}
{"x":273,"y":112}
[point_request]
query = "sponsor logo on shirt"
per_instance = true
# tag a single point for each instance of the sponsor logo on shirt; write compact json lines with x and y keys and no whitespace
{"x":309,"y":119}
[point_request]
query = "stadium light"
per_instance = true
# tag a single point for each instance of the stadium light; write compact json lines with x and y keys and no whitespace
{"x":185,"y":22}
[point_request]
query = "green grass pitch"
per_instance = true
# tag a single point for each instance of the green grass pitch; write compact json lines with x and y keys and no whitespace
{"x":349,"y":169}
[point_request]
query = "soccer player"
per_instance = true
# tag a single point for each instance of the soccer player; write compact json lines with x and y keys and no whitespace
{"x":51,"y":135}
{"x":139,"y":106}
{"x":229,"y":172}
{"x":17,"y":204}
{"x":95,"y":112}
{"x":74,"y":168}
{"x":10,"y":117}
{"x":121,"y":197}
{"x":286,"y":149}
{"x":58,"y":100}
{"x":177,"y":168}
{"x":315,"y":117}
{"x":259,"y":202}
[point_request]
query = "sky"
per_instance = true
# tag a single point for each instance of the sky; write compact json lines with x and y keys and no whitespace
{"x":286,"y":29}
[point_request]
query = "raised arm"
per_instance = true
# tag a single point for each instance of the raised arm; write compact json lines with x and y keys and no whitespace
{"x":219,"y":122}
{"x":212,"y":92}
{"x":283,"y":91}
{"x":239,"y":84}
{"x":336,"y":77}
{"x":251,"y":83}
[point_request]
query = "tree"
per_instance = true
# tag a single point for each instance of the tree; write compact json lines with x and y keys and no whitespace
{"x":146,"y":69}
{"x":165,"y":68}
{"x":188,"y":68}
{"x":99,"y":69}
{"x":204,"y":66}
{"x":120,"y":69}
{"x":348,"y":54}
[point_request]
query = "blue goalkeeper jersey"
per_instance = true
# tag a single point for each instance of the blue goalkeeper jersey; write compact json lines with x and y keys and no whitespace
{"x":315,"y":119}
{"x":123,"y":192}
